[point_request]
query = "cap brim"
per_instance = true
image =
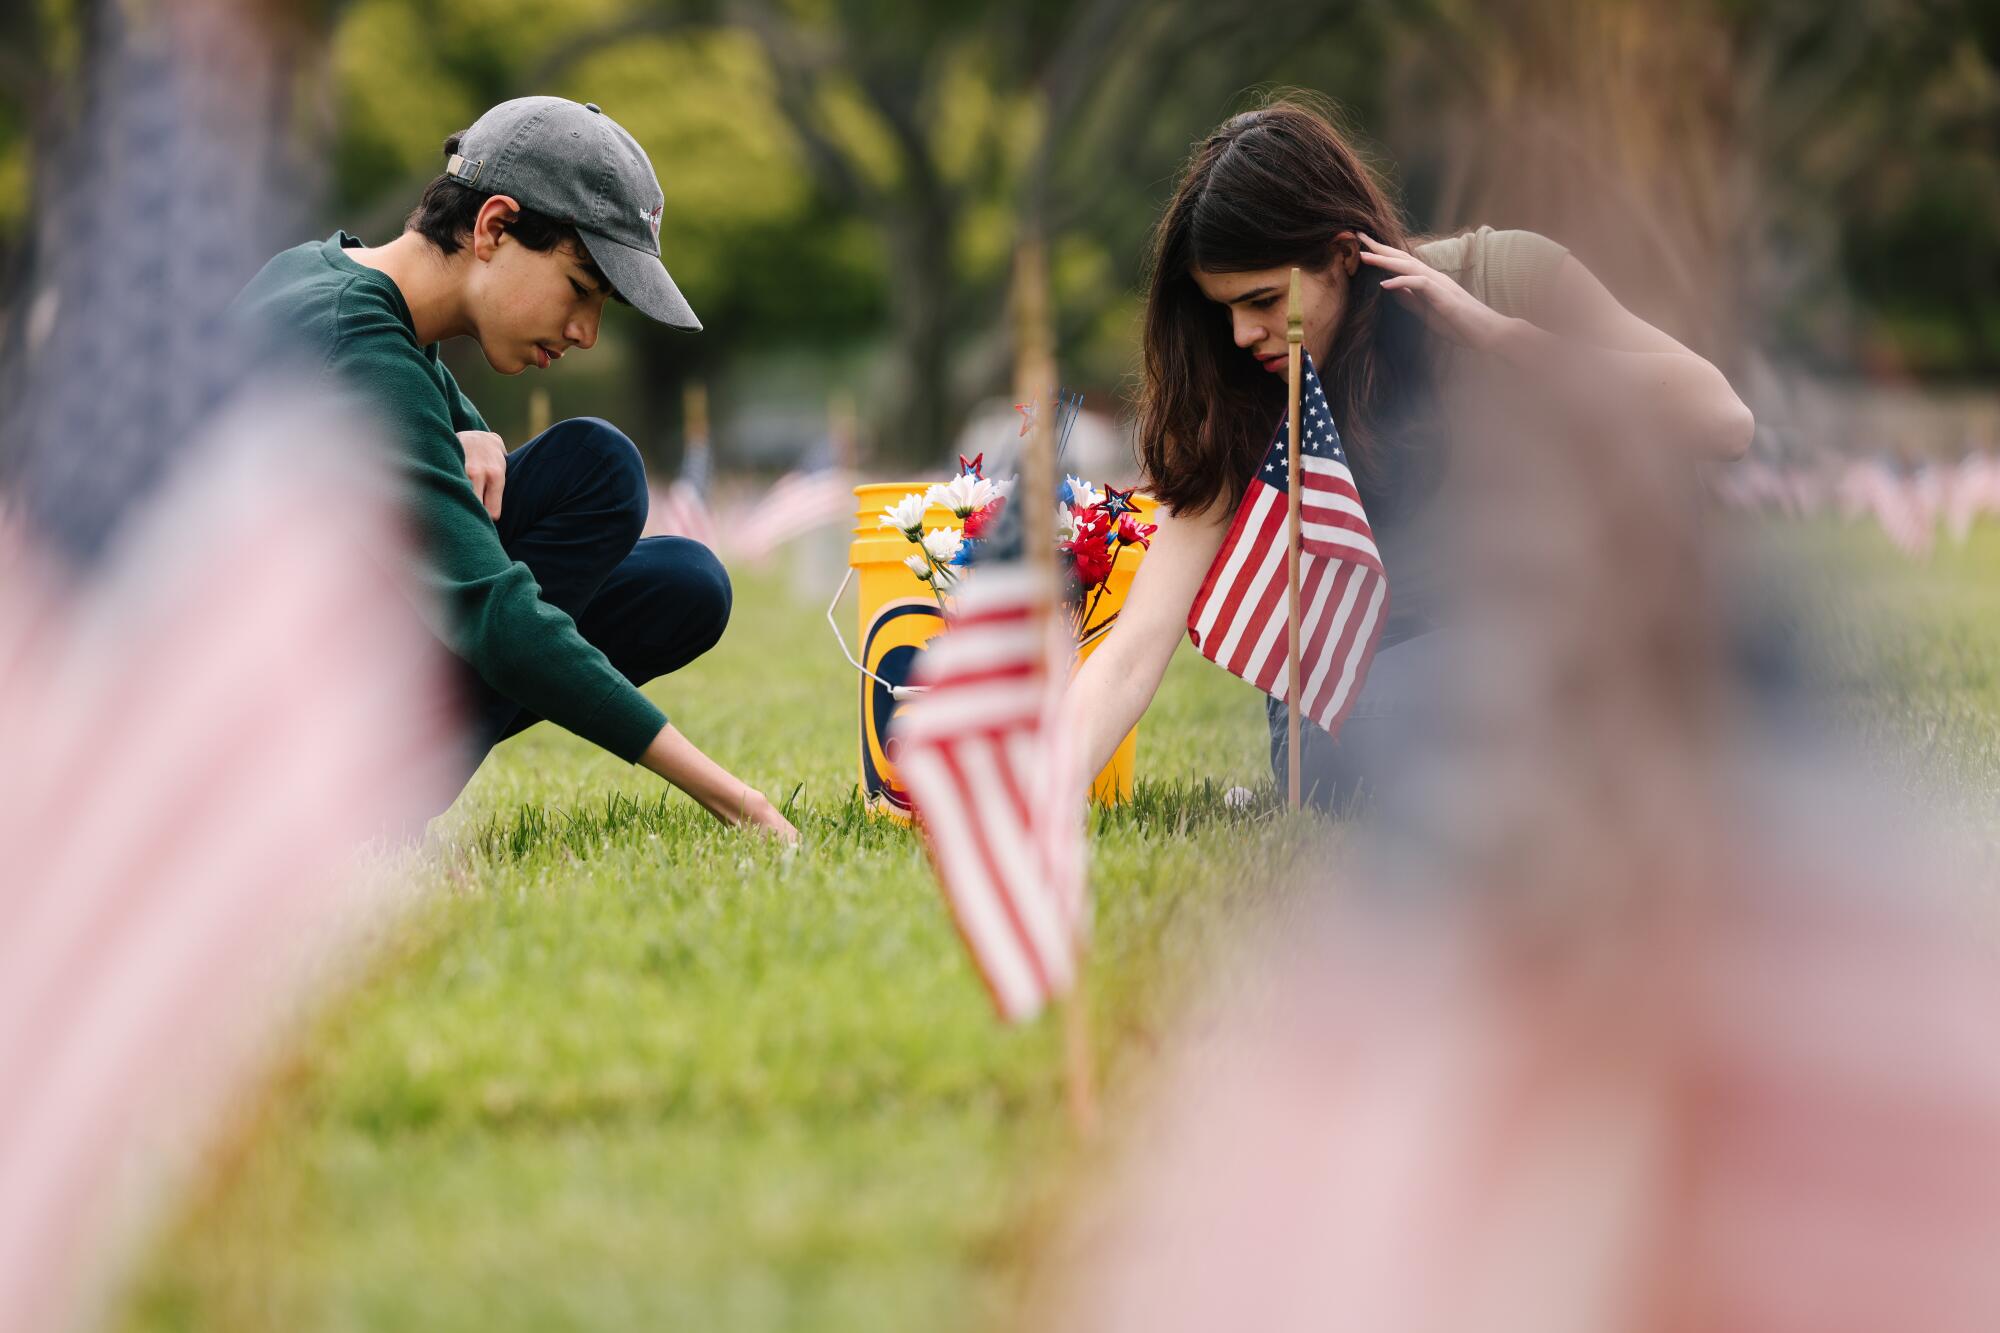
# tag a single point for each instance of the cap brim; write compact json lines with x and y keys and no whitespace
{"x":642,"y":280}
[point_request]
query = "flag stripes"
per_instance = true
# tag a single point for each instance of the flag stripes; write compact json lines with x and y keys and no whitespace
{"x":978,"y":754}
{"x":799,"y":502}
{"x":1239,"y":618}
{"x":193,"y":748}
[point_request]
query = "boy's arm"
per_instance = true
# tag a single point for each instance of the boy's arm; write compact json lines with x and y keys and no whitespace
{"x":465,"y":414}
{"x":675,"y":758}
{"x":488,"y":606}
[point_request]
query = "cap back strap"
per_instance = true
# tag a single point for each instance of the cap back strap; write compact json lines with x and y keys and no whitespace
{"x":465,"y":173}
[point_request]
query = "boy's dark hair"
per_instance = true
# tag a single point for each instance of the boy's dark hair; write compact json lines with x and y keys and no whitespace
{"x":448,"y":211}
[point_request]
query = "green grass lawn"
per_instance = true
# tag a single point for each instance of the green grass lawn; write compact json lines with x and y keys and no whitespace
{"x":628,"y":1069}
{"x":625,"y":1069}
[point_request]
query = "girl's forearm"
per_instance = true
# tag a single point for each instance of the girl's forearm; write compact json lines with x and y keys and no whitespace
{"x":1106,"y":700}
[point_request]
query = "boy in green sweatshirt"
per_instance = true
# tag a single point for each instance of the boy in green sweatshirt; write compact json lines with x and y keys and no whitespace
{"x":546,"y":210}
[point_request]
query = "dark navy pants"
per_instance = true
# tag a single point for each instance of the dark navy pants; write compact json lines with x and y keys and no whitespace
{"x":1395,"y":712}
{"x":572,"y":511}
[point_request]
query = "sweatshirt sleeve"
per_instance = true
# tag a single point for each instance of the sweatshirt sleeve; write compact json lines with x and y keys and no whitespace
{"x":464,"y":416}
{"x":489,"y":608}
{"x":1521,"y":271}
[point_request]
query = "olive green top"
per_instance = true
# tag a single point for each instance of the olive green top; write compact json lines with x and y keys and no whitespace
{"x":1511,"y":271}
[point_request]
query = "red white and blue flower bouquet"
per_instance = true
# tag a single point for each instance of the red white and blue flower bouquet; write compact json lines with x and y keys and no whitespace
{"x":1096,"y":529}
{"x":916,"y":547}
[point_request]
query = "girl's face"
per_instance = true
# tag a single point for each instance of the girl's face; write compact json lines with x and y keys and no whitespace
{"x":1256,"y":304}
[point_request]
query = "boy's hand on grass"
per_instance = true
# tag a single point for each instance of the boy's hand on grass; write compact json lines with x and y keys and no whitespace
{"x":485,"y":466}
{"x":734,"y":802}
{"x":760,"y":814}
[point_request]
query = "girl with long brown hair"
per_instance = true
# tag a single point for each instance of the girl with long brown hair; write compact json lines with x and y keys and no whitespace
{"x":1387,"y":318}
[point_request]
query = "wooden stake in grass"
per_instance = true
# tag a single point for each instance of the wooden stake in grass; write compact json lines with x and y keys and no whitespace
{"x":694,"y":412}
{"x":1034,"y":376}
{"x":1295,"y":339}
{"x":842,"y":430}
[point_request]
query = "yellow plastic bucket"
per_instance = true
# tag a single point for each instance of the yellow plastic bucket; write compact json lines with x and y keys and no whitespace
{"x":898,"y":616}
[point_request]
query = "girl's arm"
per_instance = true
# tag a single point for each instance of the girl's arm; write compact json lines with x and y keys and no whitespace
{"x":1595,"y":353}
{"x":1115,"y":686}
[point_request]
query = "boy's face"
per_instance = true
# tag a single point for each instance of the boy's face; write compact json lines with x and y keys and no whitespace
{"x":528,"y":307}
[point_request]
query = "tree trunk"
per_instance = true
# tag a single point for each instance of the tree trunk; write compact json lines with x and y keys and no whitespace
{"x":919,"y":415}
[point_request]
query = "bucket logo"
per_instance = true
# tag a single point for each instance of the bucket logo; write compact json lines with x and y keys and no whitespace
{"x":890,"y":648}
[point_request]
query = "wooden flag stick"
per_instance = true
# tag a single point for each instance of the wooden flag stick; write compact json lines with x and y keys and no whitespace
{"x":694,"y":412}
{"x":1034,"y":380}
{"x":841,"y":429}
{"x":1295,"y":338}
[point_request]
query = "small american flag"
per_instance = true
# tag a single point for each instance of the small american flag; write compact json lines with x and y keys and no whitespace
{"x":1874,"y":487}
{"x":985,"y":763}
{"x":682,"y":509}
{"x":1238,"y":620}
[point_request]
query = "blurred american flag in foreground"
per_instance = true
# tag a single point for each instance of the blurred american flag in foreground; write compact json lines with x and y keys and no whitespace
{"x":1781,"y":1117}
{"x":213,"y":686}
{"x":988,"y":766}
{"x":1636,"y":1007}
{"x":193,"y":745}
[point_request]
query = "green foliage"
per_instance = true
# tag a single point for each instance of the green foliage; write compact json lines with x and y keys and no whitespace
{"x":397,"y":102}
{"x":855,"y":172}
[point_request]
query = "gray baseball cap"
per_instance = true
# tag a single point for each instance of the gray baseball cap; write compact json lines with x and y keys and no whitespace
{"x":570,"y":161}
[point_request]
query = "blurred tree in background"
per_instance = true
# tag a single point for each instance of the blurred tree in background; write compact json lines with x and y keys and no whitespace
{"x":846,"y":178}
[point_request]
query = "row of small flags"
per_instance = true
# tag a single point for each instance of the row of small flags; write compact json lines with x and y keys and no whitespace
{"x":1910,"y":505}
{"x":811,"y":496}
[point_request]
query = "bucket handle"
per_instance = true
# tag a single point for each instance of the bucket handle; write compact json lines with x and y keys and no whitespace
{"x":896,"y":692}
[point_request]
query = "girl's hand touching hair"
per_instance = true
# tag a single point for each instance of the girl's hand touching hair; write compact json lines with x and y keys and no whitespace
{"x":1449,"y":310}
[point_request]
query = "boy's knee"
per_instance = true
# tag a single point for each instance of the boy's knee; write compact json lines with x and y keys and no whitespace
{"x":615,"y":465}
{"x":709,"y":596}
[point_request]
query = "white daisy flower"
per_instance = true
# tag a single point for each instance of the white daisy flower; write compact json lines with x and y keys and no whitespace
{"x":962,"y":494}
{"x":941,"y":544}
{"x":906,"y":516}
{"x":1065,"y":523}
{"x":919,"y":566}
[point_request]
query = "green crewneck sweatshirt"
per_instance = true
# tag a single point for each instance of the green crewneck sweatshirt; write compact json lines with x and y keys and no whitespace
{"x":352,"y":323}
